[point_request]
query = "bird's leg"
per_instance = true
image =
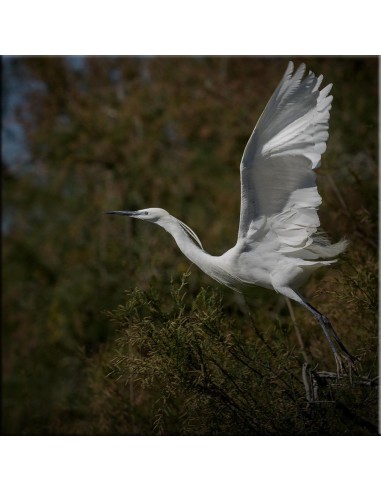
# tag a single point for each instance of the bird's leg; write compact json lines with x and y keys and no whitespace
{"x":340,"y":352}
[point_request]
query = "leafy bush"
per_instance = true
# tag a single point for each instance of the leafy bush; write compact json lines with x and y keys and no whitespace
{"x":187,"y":368}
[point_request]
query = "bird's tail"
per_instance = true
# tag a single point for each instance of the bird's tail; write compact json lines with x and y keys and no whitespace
{"x":322,"y":246}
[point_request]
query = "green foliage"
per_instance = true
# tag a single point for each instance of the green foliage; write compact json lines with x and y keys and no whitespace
{"x":127,"y":133}
{"x":202,"y":374}
{"x":190,"y":369}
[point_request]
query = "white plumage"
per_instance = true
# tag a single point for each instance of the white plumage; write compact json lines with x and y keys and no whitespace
{"x":278,"y":245}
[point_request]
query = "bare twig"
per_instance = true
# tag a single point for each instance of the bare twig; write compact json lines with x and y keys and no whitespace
{"x":337,"y":191}
{"x":297,"y":331}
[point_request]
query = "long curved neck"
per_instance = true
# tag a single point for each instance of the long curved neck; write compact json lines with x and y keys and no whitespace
{"x":211,"y":265}
{"x":189,"y":248}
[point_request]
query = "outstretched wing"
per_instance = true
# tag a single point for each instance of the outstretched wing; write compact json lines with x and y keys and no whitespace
{"x":277,"y":178}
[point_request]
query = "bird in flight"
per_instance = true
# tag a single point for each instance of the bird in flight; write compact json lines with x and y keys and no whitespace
{"x":279,"y":244}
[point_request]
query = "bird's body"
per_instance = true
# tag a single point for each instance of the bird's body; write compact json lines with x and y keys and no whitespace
{"x":256,"y":262}
{"x":279,"y":244}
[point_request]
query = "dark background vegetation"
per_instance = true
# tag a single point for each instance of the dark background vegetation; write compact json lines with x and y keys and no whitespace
{"x":104,"y":329}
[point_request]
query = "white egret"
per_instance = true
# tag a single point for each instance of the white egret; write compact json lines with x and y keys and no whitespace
{"x":279,"y":245}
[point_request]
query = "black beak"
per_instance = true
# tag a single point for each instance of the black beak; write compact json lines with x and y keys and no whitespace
{"x":120,"y":212}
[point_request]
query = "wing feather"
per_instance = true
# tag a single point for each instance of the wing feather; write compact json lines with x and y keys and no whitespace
{"x":278,"y":181}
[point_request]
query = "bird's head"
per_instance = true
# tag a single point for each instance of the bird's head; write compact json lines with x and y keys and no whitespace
{"x":157,"y":215}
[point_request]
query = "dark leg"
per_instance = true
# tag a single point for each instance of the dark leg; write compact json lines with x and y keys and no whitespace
{"x":340,"y":352}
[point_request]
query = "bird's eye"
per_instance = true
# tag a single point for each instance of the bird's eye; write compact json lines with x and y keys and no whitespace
{"x":145,"y":213}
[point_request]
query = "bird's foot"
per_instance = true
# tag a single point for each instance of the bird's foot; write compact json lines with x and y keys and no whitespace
{"x":345,"y":364}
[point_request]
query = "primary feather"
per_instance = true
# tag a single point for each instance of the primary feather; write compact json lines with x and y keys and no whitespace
{"x":278,"y":184}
